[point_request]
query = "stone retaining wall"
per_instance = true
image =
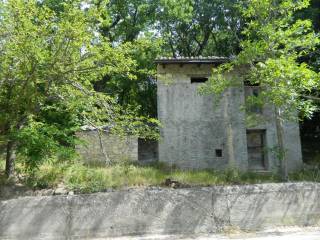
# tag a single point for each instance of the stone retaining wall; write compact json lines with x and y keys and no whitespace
{"x":162,"y":211}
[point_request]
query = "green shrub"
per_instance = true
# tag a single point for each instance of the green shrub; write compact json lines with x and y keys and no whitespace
{"x":48,"y":175}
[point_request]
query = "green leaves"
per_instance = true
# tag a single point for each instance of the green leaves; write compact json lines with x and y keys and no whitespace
{"x":272,"y":50}
{"x":38,"y":141}
{"x":200,"y":27}
{"x":137,"y":89}
{"x":285,"y":82}
{"x":49,"y":57}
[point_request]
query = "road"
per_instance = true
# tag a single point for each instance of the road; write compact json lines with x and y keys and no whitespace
{"x":282,"y":234}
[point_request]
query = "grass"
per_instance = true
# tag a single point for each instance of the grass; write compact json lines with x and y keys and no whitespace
{"x":309,"y":175}
{"x":81,"y":178}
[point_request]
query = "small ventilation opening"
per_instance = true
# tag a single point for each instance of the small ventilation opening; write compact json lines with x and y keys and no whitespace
{"x":251,"y":84}
{"x":218,"y":152}
{"x":198,"y":79}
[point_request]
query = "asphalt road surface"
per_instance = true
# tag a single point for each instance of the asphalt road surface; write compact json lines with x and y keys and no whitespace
{"x":282,"y":234}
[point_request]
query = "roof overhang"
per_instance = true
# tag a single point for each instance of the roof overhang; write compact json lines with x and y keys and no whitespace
{"x":192,"y":60}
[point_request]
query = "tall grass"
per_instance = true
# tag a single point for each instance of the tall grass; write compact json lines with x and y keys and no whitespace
{"x":81,"y":178}
{"x":310,"y":175}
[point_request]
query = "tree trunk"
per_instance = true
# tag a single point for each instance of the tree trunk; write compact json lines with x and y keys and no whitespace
{"x":10,"y":159}
{"x":282,"y":151}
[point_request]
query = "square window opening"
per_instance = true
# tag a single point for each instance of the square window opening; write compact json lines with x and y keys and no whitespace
{"x":218,"y":152}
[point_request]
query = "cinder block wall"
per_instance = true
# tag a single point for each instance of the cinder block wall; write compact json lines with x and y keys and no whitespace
{"x":116,"y":148}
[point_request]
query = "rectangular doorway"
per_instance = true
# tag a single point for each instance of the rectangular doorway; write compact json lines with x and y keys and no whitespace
{"x":256,"y":149}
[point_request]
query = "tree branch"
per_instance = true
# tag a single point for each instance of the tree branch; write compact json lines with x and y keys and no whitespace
{"x":311,"y":97}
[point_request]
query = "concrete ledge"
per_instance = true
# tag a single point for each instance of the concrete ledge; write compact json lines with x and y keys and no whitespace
{"x":160,"y":211}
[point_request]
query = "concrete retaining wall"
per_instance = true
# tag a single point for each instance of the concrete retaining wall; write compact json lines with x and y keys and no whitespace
{"x":167,"y":211}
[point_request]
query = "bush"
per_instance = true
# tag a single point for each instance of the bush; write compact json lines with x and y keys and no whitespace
{"x":48,"y":175}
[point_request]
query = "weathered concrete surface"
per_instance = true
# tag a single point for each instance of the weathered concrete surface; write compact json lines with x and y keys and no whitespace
{"x":195,"y":126}
{"x":115,"y":148}
{"x":111,"y":148}
{"x":160,"y":211}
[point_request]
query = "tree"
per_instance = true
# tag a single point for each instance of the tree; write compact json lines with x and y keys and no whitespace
{"x":312,"y":12}
{"x":272,"y":50}
{"x":124,"y":20}
{"x":200,"y":27}
{"x":140,"y":89}
{"x":129,"y":24}
{"x":308,"y":127}
{"x":48,"y":61}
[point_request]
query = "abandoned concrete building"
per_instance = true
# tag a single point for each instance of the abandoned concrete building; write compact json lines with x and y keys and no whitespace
{"x":200,"y":133}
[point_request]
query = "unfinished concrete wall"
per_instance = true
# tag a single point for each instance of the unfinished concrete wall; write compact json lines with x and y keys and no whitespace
{"x":271,"y":145}
{"x":164,"y":211}
{"x":293,"y":146}
{"x":113,"y":147}
{"x":195,"y":126}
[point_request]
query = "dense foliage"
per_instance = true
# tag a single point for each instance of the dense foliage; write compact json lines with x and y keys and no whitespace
{"x":49,"y":60}
{"x":205,"y":28}
{"x":66,"y":63}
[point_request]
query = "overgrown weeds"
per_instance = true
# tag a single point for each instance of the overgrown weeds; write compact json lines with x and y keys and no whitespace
{"x":82,"y":178}
{"x":310,"y":175}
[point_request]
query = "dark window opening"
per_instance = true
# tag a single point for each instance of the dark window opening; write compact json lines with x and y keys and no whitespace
{"x":256,"y":92}
{"x":256,"y":149}
{"x":198,"y":79}
{"x":251,"y":93}
{"x":218,"y":152}
{"x":251,"y":84}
